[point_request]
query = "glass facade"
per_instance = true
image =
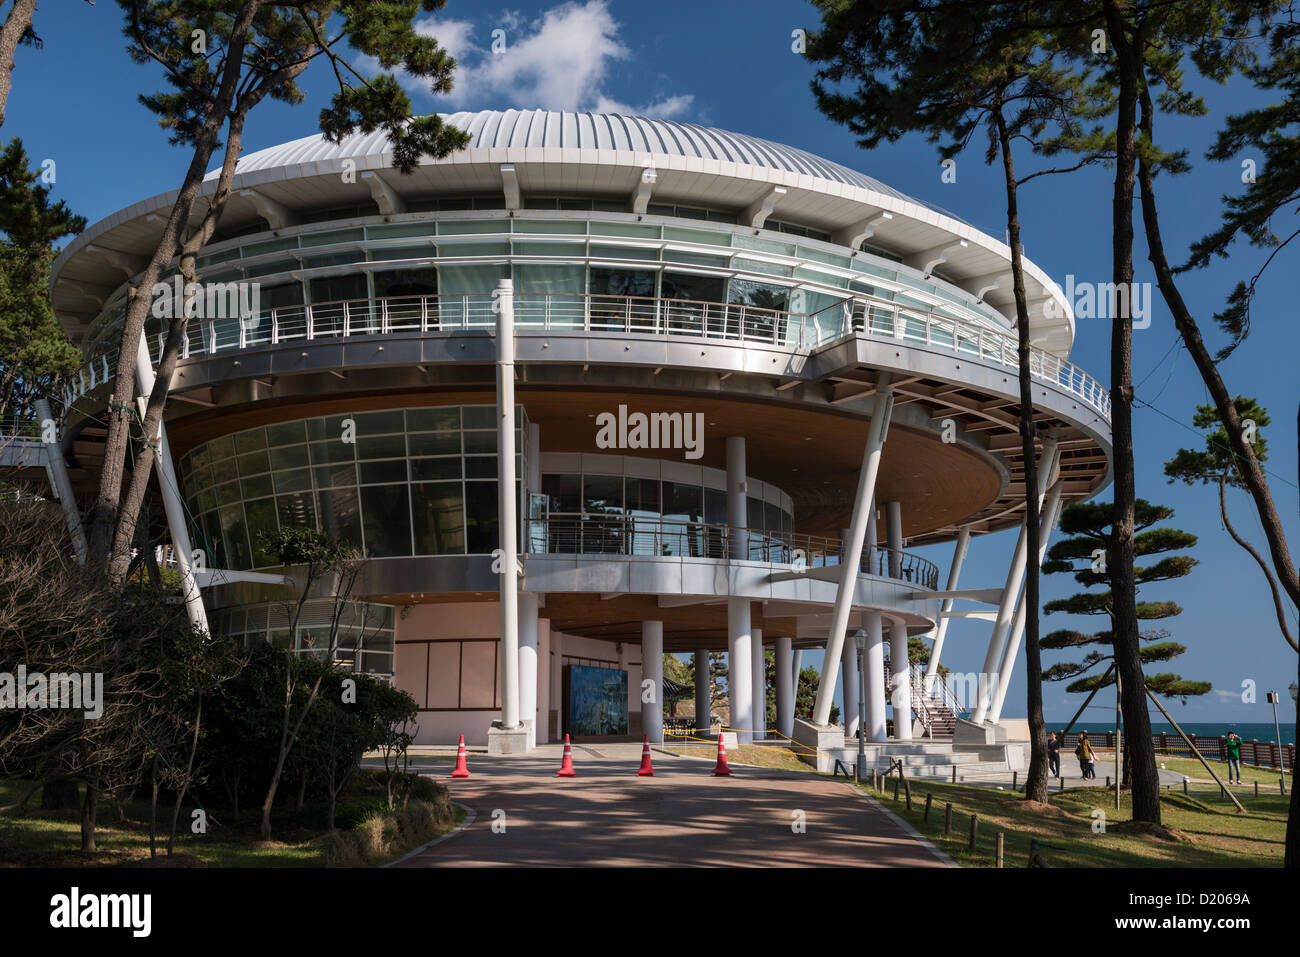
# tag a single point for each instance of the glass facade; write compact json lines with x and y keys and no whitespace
{"x":395,"y":483}
{"x":551,"y":254}
{"x":365,"y":631}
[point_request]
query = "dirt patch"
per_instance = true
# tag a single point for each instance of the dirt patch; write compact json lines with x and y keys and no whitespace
{"x":1146,"y":829}
{"x":1037,"y":807}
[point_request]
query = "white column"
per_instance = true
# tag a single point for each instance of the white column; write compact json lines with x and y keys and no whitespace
{"x":62,"y":484}
{"x":740,"y":678}
{"x":543,"y":680}
{"x":557,"y":678}
{"x":703,"y":709}
{"x":528,"y":662}
{"x":795,"y":667}
{"x":1047,"y":521}
{"x":849,"y":678}
{"x":507,"y":500}
{"x":894,"y":537}
{"x":941,"y":629}
{"x":873,"y":536}
{"x":1011,"y":593}
{"x":652,"y":670}
{"x":171,"y":496}
{"x":901,"y":684}
{"x":784,"y":687}
{"x":849,"y":562}
{"x":874,"y":666}
{"x":759,"y":666}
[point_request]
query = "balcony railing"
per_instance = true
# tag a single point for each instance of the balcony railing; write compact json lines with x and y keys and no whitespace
{"x":616,"y":315}
{"x":607,"y":534}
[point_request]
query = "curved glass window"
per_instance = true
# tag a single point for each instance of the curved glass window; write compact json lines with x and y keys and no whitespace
{"x":396,"y":483}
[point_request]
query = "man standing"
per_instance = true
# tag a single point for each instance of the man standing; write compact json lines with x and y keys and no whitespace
{"x":1234,"y":756}
{"x":1053,"y":755}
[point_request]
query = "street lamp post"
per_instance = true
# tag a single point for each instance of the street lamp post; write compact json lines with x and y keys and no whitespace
{"x":1281,"y":755}
{"x":860,"y":639}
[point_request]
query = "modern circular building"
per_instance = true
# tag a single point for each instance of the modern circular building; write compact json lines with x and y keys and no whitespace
{"x":731,"y":388}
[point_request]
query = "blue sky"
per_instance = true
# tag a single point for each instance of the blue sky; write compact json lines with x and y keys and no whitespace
{"x":731,"y":65}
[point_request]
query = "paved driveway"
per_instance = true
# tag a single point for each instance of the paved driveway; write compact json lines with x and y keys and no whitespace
{"x":607,"y":815}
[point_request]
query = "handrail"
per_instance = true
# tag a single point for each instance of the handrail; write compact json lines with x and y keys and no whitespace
{"x":619,"y":534}
{"x":802,"y":333}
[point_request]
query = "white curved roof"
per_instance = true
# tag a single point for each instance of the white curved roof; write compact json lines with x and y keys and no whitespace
{"x":505,"y":129}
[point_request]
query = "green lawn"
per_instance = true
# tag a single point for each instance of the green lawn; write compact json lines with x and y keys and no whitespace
{"x":53,"y":839}
{"x":1214,"y":834}
{"x":763,"y":756}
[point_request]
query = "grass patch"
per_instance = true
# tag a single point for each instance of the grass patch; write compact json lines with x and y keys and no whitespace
{"x":1209,"y":831}
{"x":1191,"y":768}
{"x":762,"y":756}
{"x":53,"y":838}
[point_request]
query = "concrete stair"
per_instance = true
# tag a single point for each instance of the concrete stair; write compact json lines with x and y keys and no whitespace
{"x":929,"y":760}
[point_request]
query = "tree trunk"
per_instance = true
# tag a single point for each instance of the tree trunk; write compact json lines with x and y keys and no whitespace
{"x":153,"y":809}
{"x":11,"y":34}
{"x":1037,"y":778}
{"x":89,"y":806}
{"x":1126,"y":639}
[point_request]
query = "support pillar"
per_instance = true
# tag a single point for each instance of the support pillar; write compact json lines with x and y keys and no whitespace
{"x":851,"y":561}
{"x":528,"y":713}
{"x":557,"y":681}
{"x":901,"y":682}
{"x":507,"y":511}
{"x":173,"y":507}
{"x":874,"y":668}
{"x":941,"y":629}
{"x":785,"y":678}
{"x":652,"y":670}
{"x":849,"y":678}
{"x":759,"y":663}
{"x":62,"y":484}
{"x":740,"y":677}
{"x":894,"y":537}
{"x":1011,"y":592}
{"x":1047,"y":520}
{"x":795,"y":668}
{"x":703,"y":705}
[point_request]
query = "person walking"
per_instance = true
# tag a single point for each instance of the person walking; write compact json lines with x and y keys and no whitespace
{"x":1054,"y":755}
{"x":1234,"y":755}
{"x":1083,"y":751}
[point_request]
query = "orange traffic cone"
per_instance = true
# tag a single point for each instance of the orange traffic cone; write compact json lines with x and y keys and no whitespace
{"x":461,"y":771}
{"x":721,"y":769}
{"x":566,"y":766}
{"x":646,"y":770}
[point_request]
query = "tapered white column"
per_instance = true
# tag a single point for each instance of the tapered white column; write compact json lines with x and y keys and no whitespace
{"x":507,"y":500}
{"x":894,"y":537}
{"x":873,"y":536}
{"x":173,"y":507}
{"x":1051,"y":511}
{"x":874,"y":668}
{"x":850,"y":562}
{"x":795,"y":668}
{"x":941,"y":629}
{"x":544,"y":699}
{"x":1011,"y":592}
{"x":528,"y":662}
{"x":900,"y":683}
{"x":759,"y":667}
{"x":652,"y":671}
{"x":703,"y":704}
{"x":62,"y":484}
{"x":849,"y":680}
{"x":557,"y":679}
{"x":784,"y":687}
{"x":740,"y":676}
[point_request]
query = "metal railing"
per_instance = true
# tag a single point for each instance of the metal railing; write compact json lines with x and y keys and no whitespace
{"x":618,"y":315}
{"x":612,"y":534}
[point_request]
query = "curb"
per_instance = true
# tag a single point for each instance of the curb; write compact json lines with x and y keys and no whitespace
{"x":470,"y":815}
{"x":906,"y":826}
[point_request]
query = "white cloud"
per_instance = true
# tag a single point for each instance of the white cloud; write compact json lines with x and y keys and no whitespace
{"x":563,"y":60}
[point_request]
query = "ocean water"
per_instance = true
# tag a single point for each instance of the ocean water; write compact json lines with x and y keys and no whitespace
{"x":1247,"y":731}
